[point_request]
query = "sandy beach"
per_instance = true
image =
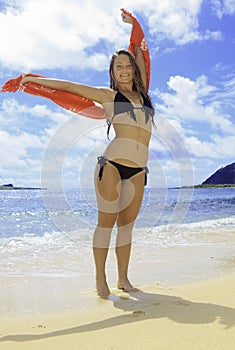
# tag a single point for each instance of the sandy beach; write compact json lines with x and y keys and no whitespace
{"x":186,"y":279}
{"x":198,"y":315}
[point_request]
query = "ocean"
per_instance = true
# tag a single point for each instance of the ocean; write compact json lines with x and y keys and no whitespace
{"x":181,"y":235}
{"x":35,"y":222}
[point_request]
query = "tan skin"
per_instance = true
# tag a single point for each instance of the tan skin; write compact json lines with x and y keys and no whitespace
{"x":118,"y":201}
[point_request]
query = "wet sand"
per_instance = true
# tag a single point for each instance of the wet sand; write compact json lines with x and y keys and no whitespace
{"x":198,"y":315}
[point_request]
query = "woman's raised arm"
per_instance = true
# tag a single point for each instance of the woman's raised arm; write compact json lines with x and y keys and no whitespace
{"x":138,"y":46}
{"x":98,"y":94}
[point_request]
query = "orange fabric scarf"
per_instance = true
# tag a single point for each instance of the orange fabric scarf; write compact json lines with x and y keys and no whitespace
{"x":74,"y":102}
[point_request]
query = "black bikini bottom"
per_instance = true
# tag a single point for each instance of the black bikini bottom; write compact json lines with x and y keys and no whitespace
{"x":126,"y":172}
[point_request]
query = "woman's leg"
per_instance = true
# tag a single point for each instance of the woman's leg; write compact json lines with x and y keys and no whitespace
{"x":134,"y":187}
{"x":107,"y":200}
{"x":101,"y":241}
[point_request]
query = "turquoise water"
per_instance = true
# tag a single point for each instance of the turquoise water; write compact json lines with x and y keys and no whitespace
{"x":50,"y":232}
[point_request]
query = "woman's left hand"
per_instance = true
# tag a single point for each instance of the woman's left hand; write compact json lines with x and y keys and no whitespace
{"x":126,"y":17}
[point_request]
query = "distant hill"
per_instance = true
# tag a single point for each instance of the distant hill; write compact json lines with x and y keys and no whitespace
{"x":223,"y":176}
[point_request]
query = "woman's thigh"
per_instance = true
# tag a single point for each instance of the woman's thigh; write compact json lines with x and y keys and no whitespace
{"x":107,"y":195}
{"x":131,"y":196}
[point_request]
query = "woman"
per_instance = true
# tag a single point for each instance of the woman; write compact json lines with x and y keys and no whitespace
{"x":120,"y":174}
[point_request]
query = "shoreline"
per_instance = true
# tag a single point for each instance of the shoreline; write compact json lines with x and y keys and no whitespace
{"x":199,"y":315}
{"x":45,"y":286}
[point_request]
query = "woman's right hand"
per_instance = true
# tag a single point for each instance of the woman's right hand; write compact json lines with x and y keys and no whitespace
{"x":12,"y":85}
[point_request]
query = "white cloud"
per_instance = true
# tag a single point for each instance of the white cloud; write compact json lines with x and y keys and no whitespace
{"x":14,"y":148}
{"x":41,"y":34}
{"x":176,"y":20}
{"x":56,"y":34}
{"x":36,"y":119}
{"x":22,"y":143}
{"x":11,"y":106}
{"x":223,"y":7}
{"x":195,"y":111}
{"x":190,"y":101}
{"x":72,"y":139}
{"x":225,"y":146}
{"x":217,"y":148}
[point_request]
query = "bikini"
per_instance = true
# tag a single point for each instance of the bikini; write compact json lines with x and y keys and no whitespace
{"x":125,"y":172}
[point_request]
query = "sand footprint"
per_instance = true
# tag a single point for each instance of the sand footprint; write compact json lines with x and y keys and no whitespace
{"x":139,"y":313}
{"x":183,"y":303}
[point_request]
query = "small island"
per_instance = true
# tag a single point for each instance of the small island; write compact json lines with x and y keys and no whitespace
{"x":12,"y":187}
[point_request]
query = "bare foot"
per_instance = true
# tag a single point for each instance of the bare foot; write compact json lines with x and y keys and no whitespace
{"x":126,"y":286}
{"x":102,"y":289}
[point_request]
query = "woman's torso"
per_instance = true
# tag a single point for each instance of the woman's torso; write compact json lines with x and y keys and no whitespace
{"x":132,"y":131}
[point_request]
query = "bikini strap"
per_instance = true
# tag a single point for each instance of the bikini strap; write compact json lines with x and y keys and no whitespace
{"x":102,"y":160}
{"x":146,"y":173}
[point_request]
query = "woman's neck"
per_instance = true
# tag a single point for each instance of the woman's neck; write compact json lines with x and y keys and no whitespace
{"x":125,"y":87}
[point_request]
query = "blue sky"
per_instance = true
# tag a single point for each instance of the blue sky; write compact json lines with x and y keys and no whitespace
{"x":192,"y":47}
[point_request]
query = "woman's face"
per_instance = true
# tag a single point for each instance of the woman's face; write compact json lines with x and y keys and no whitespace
{"x":123,"y":70}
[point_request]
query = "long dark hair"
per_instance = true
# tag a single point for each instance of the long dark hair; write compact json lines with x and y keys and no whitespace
{"x":137,"y":81}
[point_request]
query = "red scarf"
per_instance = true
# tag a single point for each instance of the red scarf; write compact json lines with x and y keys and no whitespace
{"x":74,"y":102}
{"x":137,"y":38}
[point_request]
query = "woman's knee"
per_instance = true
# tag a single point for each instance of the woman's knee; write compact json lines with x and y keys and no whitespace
{"x":125,"y":222}
{"x":106,"y":220}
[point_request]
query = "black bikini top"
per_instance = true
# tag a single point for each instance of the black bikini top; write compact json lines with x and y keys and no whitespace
{"x":124,"y":105}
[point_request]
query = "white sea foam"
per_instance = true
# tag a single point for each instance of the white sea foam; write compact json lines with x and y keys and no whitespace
{"x":194,"y":233}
